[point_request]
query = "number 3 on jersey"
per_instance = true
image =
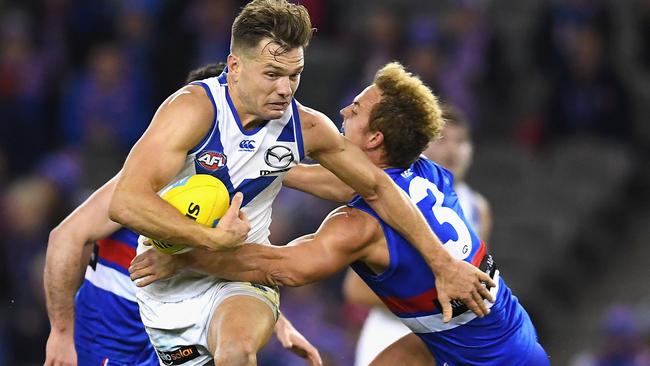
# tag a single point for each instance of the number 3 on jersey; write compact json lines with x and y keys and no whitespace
{"x":462,"y":246}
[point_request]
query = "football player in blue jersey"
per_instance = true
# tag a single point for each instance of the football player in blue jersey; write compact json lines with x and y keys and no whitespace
{"x":101,"y":324}
{"x":199,"y":129}
{"x":453,"y":150}
{"x":392,"y":121}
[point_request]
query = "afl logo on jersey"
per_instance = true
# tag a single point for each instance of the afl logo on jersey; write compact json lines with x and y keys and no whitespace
{"x":212,"y":160}
{"x":278,"y":156}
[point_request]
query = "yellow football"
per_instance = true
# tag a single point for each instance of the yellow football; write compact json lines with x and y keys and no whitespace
{"x":201,"y":197}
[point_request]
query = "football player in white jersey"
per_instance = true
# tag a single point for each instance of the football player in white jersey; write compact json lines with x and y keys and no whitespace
{"x":68,"y":253}
{"x":453,"y":151}
{"x":197,"y":314}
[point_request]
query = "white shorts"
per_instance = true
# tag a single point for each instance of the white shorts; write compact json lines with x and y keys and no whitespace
{"x":381,"y":329}
{"x":179,"y":330}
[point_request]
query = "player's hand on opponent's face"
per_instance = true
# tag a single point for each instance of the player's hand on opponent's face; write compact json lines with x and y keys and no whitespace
{"x":233,"y":227}
{"x":151,"y":266}
{"x":463,"y":281}
{"x":60,"y":350}
{"x":292,"y":340}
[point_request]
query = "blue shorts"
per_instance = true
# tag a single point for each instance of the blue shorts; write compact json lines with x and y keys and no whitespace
{"x":85,"y":358}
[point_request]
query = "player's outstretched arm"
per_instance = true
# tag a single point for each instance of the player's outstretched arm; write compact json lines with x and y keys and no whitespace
{"x":318,"y":181}
{"x":64,"y":264}
{"x":179,"y":125}
{"x":454,"y":279}
{"x":346,"y":235}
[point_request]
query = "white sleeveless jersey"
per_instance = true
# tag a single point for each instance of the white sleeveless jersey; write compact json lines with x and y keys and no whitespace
{"x":468,"y":202}
{"x":252,"y":162}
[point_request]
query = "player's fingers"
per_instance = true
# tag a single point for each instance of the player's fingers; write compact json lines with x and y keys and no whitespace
{"x":473,"y":306}
{"x":244,"y":218}
{"x":484,"y":277}
{"x":485,"y":293}
{"x":300,"y":351}
{"x":314,"y":356}
{"x":236,"y":202}
{"x":141,"y":273}
{"x":446,"y":307}
{"x":480,"y":302}
{"x":146,"y":281}
{"x":139,"y":262}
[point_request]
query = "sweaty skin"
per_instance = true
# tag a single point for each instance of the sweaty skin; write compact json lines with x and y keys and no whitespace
{"x":261,"y":86}
{"x":65,"y":261}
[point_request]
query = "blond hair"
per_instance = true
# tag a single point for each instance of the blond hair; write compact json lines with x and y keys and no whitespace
{"x":408,"y":115}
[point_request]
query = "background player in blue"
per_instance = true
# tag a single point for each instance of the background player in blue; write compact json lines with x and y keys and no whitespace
{"x":392,"y":121}
{"x":233,"y":127}
{"x":103,"y":318}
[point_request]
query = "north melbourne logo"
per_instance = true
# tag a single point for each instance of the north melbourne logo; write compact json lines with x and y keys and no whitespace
{"x":212,"y":160}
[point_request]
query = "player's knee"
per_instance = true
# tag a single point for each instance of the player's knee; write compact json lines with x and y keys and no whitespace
{"x":236,"y":353}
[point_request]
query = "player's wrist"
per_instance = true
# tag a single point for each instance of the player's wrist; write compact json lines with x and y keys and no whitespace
{"x":65,"y":328}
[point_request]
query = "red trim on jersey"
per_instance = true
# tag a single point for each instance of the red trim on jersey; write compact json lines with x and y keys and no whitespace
{"x":418,"y":303}
{"x":480,"y":254}
{"x":426,"y":300}
{"x":116,"y":252}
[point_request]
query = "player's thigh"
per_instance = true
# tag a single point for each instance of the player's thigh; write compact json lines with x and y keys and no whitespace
{"x":241,"y":320}
{"x":409,"y":350}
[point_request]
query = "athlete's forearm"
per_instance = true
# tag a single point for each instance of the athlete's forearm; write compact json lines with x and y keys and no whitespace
{"x":64,"y":263}
{"x":318,"y":181}
{"x":256,"y":263}
{"x":145,"y":212}
{"x":394,"y":207}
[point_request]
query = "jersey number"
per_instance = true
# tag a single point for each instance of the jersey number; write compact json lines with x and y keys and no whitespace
{"x":460,"y":248}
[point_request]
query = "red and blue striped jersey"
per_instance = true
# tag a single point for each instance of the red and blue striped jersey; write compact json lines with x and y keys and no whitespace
{"x":107,"y":317}
{"x":408,"y":288}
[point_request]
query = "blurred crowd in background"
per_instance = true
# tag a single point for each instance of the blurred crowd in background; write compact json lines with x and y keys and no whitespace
{"x":557,"y":93}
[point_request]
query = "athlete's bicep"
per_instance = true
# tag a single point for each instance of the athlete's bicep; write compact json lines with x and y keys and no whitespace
{"x":180,"y":124}
{"x":344,"y":237}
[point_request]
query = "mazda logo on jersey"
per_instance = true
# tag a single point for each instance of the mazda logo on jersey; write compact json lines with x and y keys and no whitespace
{"x":212,"y":160}
{"x":278,"y":156}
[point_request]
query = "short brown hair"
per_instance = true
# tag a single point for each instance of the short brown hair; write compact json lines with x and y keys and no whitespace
{"x":284,"y":23}
{"x":456,"y":117}
{"x":205,"y":71}
{"x":408,"y":115}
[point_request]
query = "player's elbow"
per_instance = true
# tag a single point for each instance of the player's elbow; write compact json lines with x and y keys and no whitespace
{"x":289,"y":278}
{"x":55,"y":236}
{"x":344,"y":194}
{"x":119,"y":209}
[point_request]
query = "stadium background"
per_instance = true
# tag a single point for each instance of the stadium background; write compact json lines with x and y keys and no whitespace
{"x":558,"y":94}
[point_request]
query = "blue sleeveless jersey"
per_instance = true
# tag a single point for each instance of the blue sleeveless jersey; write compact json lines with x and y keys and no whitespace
{"x":505,"y":337}
{"x":108,"y":329}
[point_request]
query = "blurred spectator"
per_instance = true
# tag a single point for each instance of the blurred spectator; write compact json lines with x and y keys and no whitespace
{"x":23,"y":76}
{"x":622,"y":343}
{"x":29,"y":206}
{"x":588,"y":96}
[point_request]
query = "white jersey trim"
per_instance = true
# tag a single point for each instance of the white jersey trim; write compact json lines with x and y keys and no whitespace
{"x":434,"y":323}
{"x":111,"y":280}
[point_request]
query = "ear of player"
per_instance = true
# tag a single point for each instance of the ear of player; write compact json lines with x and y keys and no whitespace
{"x":202,"y":198}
